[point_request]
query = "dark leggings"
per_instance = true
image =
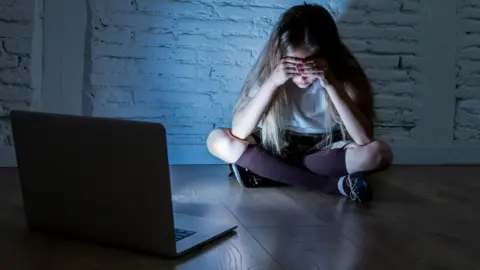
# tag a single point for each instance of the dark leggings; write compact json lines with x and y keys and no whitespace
{"x":319,"y":170}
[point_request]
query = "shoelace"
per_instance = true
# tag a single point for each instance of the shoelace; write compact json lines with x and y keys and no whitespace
{"x":352,"y":184}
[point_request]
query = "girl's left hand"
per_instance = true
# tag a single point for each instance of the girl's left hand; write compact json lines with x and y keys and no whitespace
{"x":318,"y":68}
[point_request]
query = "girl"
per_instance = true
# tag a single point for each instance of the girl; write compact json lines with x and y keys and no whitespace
{"x":305,"y":115}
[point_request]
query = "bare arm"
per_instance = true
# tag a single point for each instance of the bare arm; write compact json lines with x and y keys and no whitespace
{"x":352,"y":101}
{"x":358,"y":125}
{"x":246,"y":119}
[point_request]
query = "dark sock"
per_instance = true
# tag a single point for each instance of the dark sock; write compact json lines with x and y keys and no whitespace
{"x":264,"y":163}
{"x":331,"y":162}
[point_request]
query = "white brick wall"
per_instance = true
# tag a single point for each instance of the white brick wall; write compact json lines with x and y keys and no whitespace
{"x":183,"y":62}
{"x":16,"y":30}
{"x":467,"y":117}
{"x":384,"y":35}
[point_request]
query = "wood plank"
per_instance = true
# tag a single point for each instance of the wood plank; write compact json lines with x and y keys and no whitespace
{"x":23,"y":249}
{"x":422,"y":217}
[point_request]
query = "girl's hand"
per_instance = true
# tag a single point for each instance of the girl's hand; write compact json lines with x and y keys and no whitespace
{"x":288,"y":68}
{"x":318,"y":68}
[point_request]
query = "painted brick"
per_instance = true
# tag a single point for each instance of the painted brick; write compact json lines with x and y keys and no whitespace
{"x":5,"y":132}
{"x":17,"y":4}
{"x":468,"y":67}
{"x":18,"y":46}
{"x":143,"y":66}
{"x":234,"y":85}
{"x":16,"y":15}
{"x":399,"y":88}
{"x":467,"y":114}
{"x":389,"y":33}
{"x":8,"y":61}
{"x":7,"y":107}
{"x":211,"y":112}
{"x":388,"y":61}
{"x":161,"y":97}
{"x":239,"y":57}
{"x":469,"y":105}
{"x":227,"y":99}
{"x":466,"y":134}
{"x":15,"y":30}
{"x":16,"y":92}
{"x":393,"y":47}
{"x":129,"y":111}
{"x":470,"y":26}
{"x":188,"y":128}
{"x":176,"y":9}
{"x":139,"y":20}
{"x":175,"y":139}
{"x":411,"y":7}
{"x":229,"y":71}
{"x":15,"y":77}
{"x":401,"y":116}
{"x":356,"y":45}
{"x":394,"y":101}
{"x":112,"y":35}
{"x":210,"y":27}
{"x":393,"y":134}
{"x":112,"y":94}
{"x":150,"y":81}
{"x":188,"y":59}
{"x":471,"y":52}
{"x":468,"y":12}
{"x":160,"y":53}
{"x":247,"y":12}
{"x":391,"y":75}
{"x":106,"y":6}
{"x":354,"y":17}
{"x":376,"y":5}
{"x":155,"y":39}
{"x":382,"y":19}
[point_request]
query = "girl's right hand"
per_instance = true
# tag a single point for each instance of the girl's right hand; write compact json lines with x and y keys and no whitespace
{"x":286,"y":69}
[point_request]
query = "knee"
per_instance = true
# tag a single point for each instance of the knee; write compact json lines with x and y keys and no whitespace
{"x":379,"y":155}
{"x":224,"y":146}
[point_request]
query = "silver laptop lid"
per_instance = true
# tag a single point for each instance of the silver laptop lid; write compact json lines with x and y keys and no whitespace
{"x":102,"y":179}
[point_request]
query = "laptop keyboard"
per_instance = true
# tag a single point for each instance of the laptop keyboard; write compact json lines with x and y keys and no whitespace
{"x":180,"y":234}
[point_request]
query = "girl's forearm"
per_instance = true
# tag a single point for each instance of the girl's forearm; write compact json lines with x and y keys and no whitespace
{"x":247,"y":118}
{"x":358,"y":126}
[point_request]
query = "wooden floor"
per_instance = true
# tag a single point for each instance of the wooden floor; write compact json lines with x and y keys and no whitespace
{"x":421,"y":218}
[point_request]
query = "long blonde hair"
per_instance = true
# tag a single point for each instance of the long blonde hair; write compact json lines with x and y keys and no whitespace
{"x":303,"y":26}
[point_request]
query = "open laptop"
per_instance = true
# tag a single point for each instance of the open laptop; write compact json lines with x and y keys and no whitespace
{"x":105,"y":180}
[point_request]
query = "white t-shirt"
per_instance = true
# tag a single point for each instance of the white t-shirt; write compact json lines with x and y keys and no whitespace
{"x":307,"y":111}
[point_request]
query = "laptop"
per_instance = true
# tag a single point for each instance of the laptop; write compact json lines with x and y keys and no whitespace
{"x":105,"y":180}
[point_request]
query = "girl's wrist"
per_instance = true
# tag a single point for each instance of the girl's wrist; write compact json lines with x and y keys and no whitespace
{"x":271,"y":84}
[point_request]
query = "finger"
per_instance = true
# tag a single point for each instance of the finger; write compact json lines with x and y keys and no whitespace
{"x":313,"y":73}
{"x":287,"y":64}
{"x":310,"y":72}
{"x":293,"y":74}
{"x":291,"y":69}
{"x":291,"y":59}
{"x":310,"y":68}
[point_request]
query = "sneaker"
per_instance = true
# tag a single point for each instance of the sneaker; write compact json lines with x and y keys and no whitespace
{"x":248,"y":179}
{"x":357,"y":188}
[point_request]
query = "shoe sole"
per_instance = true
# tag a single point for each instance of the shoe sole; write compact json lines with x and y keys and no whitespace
{"x":237,"y":175}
